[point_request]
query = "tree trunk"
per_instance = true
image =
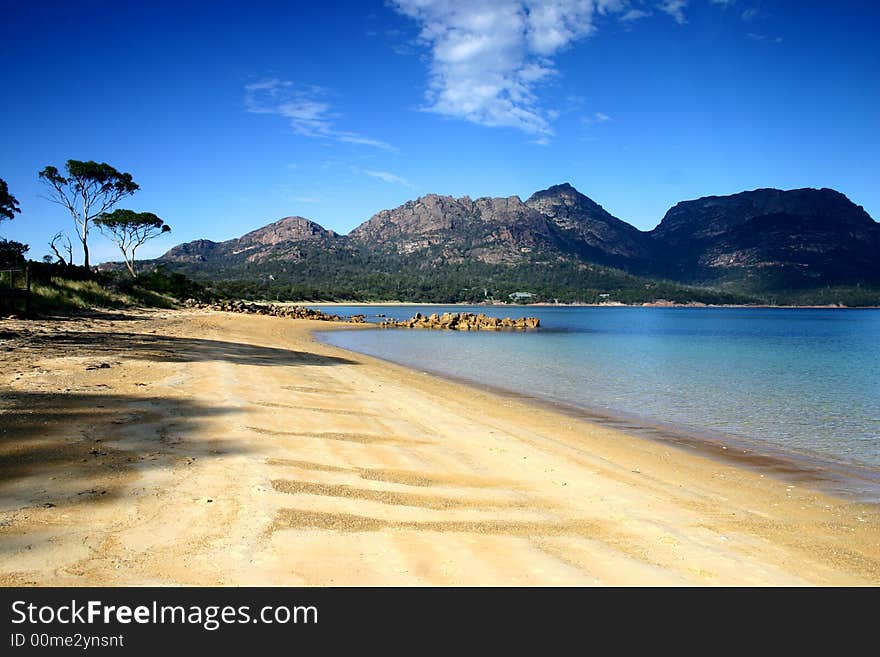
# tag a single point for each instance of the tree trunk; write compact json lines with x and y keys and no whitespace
{"x":84,"y":238}
{"x":58,"y":254}
{"x":131,"y":266}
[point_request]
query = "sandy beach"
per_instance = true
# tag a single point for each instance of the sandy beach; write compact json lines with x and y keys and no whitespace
{"x":206,"y":448}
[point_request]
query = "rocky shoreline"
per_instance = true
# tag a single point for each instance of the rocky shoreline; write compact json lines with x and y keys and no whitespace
{"x":273,"y":310}
{"x":446,"y":321}
{"x":463,"y":322}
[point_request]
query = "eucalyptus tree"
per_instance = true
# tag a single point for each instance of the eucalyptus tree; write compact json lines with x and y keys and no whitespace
{"x":8,"y":203}
{"x":11,"y":253}
{"x":88,"y":189}
{"x":129,"y":230}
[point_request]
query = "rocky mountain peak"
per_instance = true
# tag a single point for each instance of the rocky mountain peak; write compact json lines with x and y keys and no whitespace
{"x":565,"y":203}
{"x":288,"y":229}
{"x":588,"y":221}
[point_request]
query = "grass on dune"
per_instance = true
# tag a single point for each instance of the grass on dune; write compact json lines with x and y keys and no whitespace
{"x":63,"y":294}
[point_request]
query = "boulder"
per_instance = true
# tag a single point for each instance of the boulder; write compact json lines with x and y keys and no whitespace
{"x":462,"y":322}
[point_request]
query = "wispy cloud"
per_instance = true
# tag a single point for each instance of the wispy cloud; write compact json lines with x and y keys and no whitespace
{"x":596,"y":117}
{"x":674,"y":8}
{"x":305,"y":108}
{"x":387,"y":177}
{"x":750,"y":14}
{"x":490,"y":58}
{"x":723,"y":3}
{"x":631,"y":15}
{"x":763,"y":37}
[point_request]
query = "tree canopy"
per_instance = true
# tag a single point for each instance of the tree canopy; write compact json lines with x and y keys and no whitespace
{"x":129,"y":230}
{"x":88,"y":190}
{"x":12,"y":253}
{"x":8,"y":203}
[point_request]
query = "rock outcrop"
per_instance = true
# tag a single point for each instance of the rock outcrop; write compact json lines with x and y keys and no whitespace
{"x":272,"y":309}
{"x":463,"y":322}
{"x":452,"y":321}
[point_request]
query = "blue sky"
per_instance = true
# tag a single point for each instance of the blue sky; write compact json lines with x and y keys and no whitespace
{"x":233,"y":114}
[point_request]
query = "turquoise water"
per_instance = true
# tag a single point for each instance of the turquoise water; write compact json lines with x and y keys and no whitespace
{"x":803,"y":380}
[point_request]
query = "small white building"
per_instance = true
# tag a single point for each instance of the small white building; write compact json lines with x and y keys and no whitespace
{"x":521,"y":296}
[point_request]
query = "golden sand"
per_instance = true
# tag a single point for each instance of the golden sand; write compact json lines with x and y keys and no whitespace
{"x":192,"y":447}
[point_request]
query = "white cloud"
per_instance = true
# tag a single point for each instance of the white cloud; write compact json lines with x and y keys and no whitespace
{"x":754,"y":36}
{"x":387,"y":177}
{"x":488,"y":57}
{"x":634,"y":15}
{"x":674,"y":8}
{"x":305,"y":108}
{"x":594,"y":118}
{"x":750,"y":14}
{"x":723,"y":3}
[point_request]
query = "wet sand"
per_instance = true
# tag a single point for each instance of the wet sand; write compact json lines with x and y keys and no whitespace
{"x":194,"y":447}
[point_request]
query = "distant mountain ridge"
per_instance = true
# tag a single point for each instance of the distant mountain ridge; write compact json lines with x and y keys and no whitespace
{"x":256,"y":244}
{"x":757,"y":240}
{"x":800,"y":236}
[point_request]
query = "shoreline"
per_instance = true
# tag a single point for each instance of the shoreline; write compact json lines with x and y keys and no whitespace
{"x":227,"y":449}
{"x":332,"y":304}
{"x":849,"y":480}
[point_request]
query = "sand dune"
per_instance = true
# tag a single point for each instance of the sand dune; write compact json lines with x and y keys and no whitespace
{"x":208,"y":448}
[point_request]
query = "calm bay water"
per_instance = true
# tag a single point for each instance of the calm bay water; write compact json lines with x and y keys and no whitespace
{"x":803,"y":380}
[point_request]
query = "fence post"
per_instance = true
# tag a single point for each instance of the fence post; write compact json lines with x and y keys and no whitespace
{"x":27,"y":284}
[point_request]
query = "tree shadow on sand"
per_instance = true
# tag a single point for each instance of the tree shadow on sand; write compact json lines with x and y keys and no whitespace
{"x":78,"y":448}
{"x":86,"y":314}
{"x":146,"y":346}
{"x":61,"y":451}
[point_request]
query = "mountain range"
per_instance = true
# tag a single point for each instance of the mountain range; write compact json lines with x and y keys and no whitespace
{"x":755,"y":246}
